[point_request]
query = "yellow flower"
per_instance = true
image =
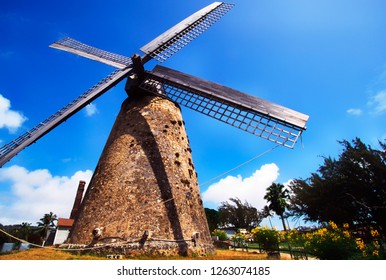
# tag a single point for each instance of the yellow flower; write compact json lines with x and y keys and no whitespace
{"x":360,"y":244}
{"x":375,"y":253}
{"x":333,"y":225}
{"x":335,"y":238}
{"x":346,"y":226}
{"x":346,"y":234}
{"x":374,"y":233}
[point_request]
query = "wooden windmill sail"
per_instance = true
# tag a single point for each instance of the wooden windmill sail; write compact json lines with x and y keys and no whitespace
{"x":144,"y":193}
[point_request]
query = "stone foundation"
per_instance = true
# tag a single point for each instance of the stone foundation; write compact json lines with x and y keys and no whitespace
{"x":150,"y":248}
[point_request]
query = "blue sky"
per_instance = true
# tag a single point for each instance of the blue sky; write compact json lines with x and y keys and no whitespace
{"x":323,"y":58}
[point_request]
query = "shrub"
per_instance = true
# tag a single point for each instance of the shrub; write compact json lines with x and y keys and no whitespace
{"x":239,"y":240}
{"x":332,"y":243}
{"x":267,"y":238}
{"x":335,"y":243}
{"x":374,"y":248}
{"x":294,"y":238}
{"x":221,"y":234}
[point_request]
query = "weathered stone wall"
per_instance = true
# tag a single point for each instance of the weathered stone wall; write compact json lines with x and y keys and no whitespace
{"x":145,"y":182}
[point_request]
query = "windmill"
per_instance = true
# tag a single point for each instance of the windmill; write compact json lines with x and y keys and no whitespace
{"x":144,"y":195}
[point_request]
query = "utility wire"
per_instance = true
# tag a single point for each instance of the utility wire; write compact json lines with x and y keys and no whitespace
{"x":241,"y":165}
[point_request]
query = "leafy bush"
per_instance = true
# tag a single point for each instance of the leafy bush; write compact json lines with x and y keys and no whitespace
{"x":294,"y":238}
{"x":332,"y":243}
{"x":374,"y":248}
{"x":267,"y":238}
{"x":239,"y":240}
{"x":221,"y":234}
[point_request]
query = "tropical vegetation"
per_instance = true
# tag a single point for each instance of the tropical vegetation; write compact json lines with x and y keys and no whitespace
{"x":345,"y":198}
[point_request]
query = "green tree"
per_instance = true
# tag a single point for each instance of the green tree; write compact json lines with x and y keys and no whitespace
{"x":267,"y":213}
{"x":45,"y":225}
{"x":238,"y":214}
{"x":25,"y":231}
{"x":350,"y":189}
{"x":213,"y":218}
{"x":277,"y":196}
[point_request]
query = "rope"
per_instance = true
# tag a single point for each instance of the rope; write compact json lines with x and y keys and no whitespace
{"x":239,"y":166}
{"x":39,"y":246}
{"x":21,"y":240}
{"x":89,"y":248}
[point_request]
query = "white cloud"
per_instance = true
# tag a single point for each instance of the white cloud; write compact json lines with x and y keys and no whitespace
{"x":91,"y":109}
{"x":355,"y":112}
{"x":34,"y":193}
{"x":251,"y":189}
{"x":9,"y":119}
{"x":378,"y":102}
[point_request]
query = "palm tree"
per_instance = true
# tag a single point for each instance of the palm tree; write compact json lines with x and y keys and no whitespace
{"x":25,"y":231}
{"x":277,"y":197}
{"x":45,"y":225}
{"x":267,"y":213}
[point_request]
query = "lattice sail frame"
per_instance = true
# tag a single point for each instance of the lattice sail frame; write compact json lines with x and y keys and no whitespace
{"x":163,"y":47}
{"x":73,"y":46}
{"x":15,"y":146}
{"x":243,"y":116}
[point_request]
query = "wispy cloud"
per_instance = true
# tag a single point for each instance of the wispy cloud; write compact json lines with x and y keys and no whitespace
{"x":91,"y":109}
{"x":354,"y":112}
{"x":378,"y":102}
{"x":34,"y":193}
{"x":251,"y":189}
{"x":9,"y":119}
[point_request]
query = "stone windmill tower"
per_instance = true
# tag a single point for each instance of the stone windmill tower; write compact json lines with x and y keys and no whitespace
{"x":144,"y":195}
